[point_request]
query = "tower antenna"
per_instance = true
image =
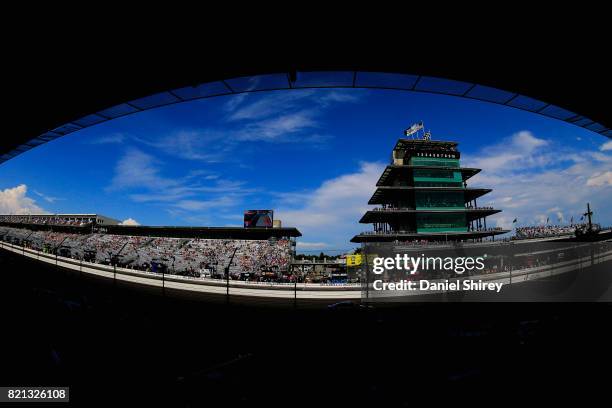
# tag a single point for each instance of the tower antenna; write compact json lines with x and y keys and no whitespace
{"x":588,"y":214}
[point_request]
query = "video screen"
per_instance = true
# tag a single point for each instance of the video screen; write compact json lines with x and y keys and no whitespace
{"x":258,"y":218}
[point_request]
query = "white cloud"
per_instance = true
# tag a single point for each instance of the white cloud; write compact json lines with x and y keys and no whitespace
{"x":15,"y":201}
{"x":560,"y":216}
{"x":311,"y":245}
{"x":534,"y":179}
{"x":113,"y":138}
{"x":337,"y":96}
{"x":520,"y":151}
{"x":207,"y":145}
{"x":279,"y":127}
{"x":199,"y":205}
{"x":287,"y":116}
{"x":140,"y":175}
{"x":47,"y":198}
{"x":271,"y":104}
{"x":138,"y":169}
{"x":129,"y":221}
{"x":331,"y":212}
{"x":606,"y":146}
{"x":234,"y":101}
{"x":601,"y":179}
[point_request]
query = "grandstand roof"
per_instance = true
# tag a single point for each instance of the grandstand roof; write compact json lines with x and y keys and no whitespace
{"x":169,"y":231}
{"x":165,"y":231}
{"x":204,"y":232}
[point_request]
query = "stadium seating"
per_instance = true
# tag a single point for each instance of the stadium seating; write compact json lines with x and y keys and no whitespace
{"x":544,"y":231}
{"x":46,"y":219}
{"x":181,"y":256}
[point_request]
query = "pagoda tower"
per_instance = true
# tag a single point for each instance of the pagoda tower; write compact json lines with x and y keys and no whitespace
{"x":423,"y":195}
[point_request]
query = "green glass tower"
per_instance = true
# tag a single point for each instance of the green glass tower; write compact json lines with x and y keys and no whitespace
{"x":423,"y":195}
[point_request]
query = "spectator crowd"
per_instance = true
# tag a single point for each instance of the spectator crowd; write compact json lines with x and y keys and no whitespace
{"x":195,"y":257}
{"x":544,"y":231}
{"x":47,"y":219}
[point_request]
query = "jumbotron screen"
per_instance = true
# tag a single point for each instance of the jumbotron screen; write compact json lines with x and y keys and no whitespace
{"x":258,"y":218}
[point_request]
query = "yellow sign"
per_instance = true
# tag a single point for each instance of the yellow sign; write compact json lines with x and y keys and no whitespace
{"x":354,"y":260}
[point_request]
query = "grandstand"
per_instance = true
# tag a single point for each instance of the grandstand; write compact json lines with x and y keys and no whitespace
{"x":188,"y":251}
{"x":58,"y":219}
{"x":544,"y":231}
{"x":585,"y":230}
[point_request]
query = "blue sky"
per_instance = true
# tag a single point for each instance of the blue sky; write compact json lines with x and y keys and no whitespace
{"x":311,"y":155}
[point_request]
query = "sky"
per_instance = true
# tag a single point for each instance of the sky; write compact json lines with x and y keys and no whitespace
{"x":313,"y":156}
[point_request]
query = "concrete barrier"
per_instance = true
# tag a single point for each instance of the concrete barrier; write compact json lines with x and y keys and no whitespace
{"x":281,"y":290}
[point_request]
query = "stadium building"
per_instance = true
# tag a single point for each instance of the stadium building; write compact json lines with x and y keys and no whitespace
{"x":191,"y":251}
{"x":59,"y":219}
{"x":423,"y":195}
